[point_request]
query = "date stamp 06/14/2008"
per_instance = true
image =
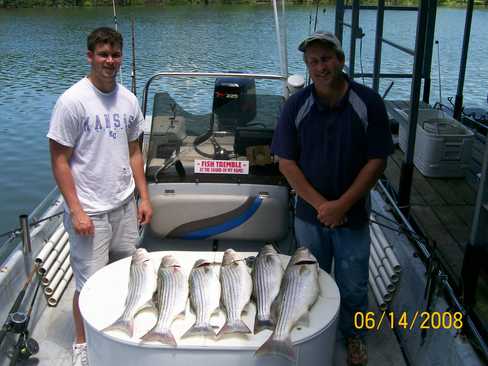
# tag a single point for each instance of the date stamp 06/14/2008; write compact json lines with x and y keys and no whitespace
{"x":420,"y":319}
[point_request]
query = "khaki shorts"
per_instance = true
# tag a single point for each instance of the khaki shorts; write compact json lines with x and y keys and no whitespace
{"x":116,"y":236}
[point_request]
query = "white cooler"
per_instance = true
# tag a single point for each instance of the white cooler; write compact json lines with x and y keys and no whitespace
{"x":102,"y":302}
{"x":442,"y":144}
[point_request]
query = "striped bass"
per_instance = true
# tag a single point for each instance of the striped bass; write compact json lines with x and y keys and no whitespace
{"x":171,"y":297}
{"x":299,"y":292}
{"x":236,"y":284}
{"x":142,"y":284}
{"x":267,"y":275}
{"x":204,"y":296}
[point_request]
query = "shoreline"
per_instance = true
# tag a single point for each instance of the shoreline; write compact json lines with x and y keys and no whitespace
{"x":26,"y":4}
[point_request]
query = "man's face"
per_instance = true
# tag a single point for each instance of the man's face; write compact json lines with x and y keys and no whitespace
{"x":323,"y":64}
{"x":105,"y":60}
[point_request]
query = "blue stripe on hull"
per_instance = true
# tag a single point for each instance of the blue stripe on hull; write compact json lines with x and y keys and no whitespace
{"x":226,"y":226}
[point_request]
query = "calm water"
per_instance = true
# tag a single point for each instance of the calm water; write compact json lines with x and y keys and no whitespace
{"x":42,"y":52}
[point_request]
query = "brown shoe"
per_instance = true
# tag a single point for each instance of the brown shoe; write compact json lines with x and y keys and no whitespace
{"x":357,"y":352}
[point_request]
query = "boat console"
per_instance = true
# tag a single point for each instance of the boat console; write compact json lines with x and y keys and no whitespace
{"x":212,"y":175}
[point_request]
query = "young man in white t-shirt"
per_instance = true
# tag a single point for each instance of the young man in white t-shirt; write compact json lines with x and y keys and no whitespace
{"x":97,"y":164}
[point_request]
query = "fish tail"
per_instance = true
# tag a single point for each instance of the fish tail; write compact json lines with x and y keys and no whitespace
{"x":200,"y":329}
{"x":164,"y":336}
{"x":261,"y":324}
{"x":125,"y":325}
{"x":237,"y":326}
{"x":283,"y":348}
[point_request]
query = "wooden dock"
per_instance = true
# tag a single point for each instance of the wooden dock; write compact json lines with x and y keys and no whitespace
{"x":442,"y":208}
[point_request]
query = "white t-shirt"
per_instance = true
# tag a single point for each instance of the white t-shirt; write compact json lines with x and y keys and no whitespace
{"x":98,"y":126}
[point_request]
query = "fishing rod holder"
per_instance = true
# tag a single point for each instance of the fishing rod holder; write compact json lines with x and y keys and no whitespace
{"x":24,"y":229}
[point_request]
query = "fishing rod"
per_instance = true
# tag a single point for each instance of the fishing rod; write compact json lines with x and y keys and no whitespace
{"x":8,"y":325}
{"x":307,"y":76}
{"x":25,"y":346}
{"x":316,"y":16}
{"x":387,"y":90}
{"x":439,"y":72}
{"x":116,"y":29}
{"x":133,"y":73}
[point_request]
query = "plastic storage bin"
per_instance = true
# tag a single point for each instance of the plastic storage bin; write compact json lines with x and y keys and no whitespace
{"x":442,"y":144}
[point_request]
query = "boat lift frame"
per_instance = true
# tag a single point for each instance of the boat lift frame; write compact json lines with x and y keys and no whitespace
{"x":478,"y":243}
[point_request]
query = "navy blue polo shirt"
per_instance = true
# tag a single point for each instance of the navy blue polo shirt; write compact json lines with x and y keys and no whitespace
{"x":332,"y":145}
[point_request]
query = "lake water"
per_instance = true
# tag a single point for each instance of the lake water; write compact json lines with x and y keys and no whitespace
{"x":43,"y":52}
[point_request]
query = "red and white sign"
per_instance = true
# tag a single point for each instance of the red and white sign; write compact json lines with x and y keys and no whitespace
{"x":222,"y":166}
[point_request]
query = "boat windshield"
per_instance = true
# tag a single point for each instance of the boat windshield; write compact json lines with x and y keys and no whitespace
{"x":216,"y":130}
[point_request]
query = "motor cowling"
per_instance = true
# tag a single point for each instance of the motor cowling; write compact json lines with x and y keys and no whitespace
{"x":234,"y":102}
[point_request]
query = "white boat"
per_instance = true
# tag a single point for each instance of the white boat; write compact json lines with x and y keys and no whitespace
{"x":214,"y":185}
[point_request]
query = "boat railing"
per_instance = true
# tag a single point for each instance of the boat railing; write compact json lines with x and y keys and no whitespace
{"x":174,"y":74}
{"x":28,"y":223}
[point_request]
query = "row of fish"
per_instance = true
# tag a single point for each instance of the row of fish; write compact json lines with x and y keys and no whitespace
{"x":283,"y":297}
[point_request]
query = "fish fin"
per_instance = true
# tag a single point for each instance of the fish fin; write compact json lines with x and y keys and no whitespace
{"x":200,"y":330}
{"x":260,"y":325}
{"x":148,"y":305}
{"x":235,"y":327}
{"x":217,"y":311}
{"x":247,"y":308}
{"x":124,"y":325}
{"x":254,"y":296}
{"x":275,"y":309}
{"x":155,"y":298}
{"x":304,"y":320}
{"x":181,"y":315}
{"x":317,"y":295}
{"x":283,"y":348}
{"x":163,"y":336}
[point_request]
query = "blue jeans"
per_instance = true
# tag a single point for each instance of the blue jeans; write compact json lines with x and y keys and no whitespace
{"x":349,"y":247}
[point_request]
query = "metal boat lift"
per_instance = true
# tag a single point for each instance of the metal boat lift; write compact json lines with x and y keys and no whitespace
{"x":477,"y":246}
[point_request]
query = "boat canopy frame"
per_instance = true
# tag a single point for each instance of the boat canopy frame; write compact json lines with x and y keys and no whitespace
{"x":174,"y":74}
{"x":477,"y":245}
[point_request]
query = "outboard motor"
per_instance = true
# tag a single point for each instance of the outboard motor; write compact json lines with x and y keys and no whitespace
{"x":234,"y":102}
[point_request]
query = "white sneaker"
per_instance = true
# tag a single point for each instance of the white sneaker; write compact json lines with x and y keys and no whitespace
{"x":80,"y":356}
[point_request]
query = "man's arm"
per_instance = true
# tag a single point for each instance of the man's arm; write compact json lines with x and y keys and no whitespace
{"x":333,"y":212}
{"x":144,"y":212}
{"x":60,"y":156}
{"x":299,"y":183}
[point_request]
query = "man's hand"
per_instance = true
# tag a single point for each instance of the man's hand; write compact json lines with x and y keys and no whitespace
{"x":82,"y":223}
{"x":332,"y":213}
{"x":144,"y":212}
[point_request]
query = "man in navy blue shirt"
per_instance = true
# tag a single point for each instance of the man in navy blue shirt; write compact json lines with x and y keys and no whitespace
{"x":332,"y":140}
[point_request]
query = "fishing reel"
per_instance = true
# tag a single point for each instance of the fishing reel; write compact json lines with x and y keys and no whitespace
{"x":17,"y":322}
{"x":26,"y":347}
